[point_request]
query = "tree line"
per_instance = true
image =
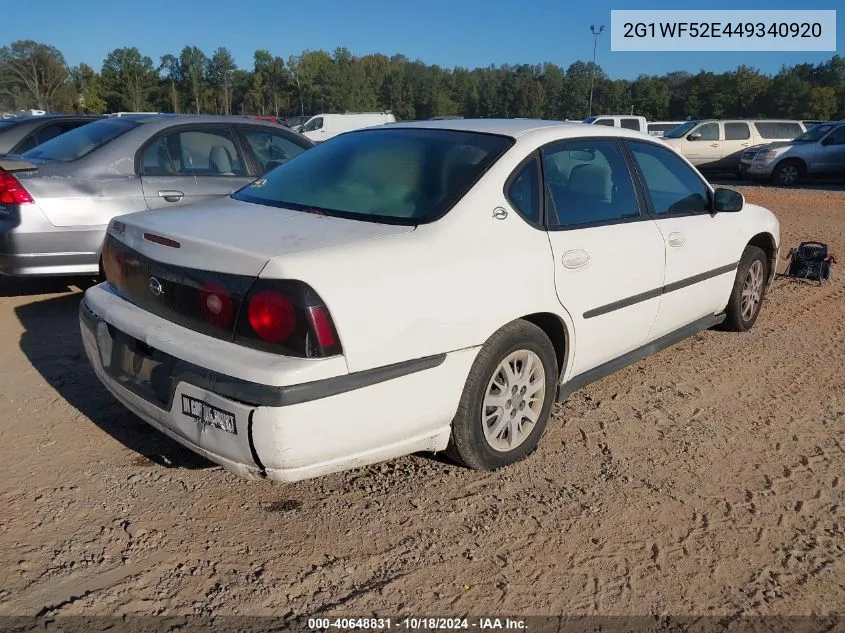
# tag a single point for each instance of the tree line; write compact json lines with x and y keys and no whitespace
{"x":35,"y":75}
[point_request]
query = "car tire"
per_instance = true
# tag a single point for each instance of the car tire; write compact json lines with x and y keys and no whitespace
{"x":788,"y":173}
{"x":748,"y":292}
{"x":517,"y":357}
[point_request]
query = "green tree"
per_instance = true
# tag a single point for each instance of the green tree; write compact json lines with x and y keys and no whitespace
{"x":193,"y":63}
{"x":128,"y":79}
{"x":32,"y":73}
{"x":821,"y":103}
{"x":221,"y":68}
{"x":88,"y":88}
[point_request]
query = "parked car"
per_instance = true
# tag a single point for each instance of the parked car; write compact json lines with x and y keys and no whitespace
{"x":626,"y":121}
{"x":410,"y":288}
{"x":324,"y":126}
{"x":717,"y":145}
{"x":659,"y":128}
{"x":820,"y":151}
{"x":58,"y":197}
{"x":21,"y":134}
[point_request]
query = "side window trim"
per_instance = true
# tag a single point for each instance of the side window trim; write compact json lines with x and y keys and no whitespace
{"x":642,"y":214}
{"x":533,"y":156}
{"x":640,"y":179}
{"x":191,"y":127}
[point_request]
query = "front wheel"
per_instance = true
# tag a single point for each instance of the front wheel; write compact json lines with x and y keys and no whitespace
{"x":507,"y":399}
{"x":788,"y":173}
{"x":748,"y":291}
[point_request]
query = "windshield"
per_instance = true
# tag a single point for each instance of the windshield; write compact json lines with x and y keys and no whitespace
{"x":590,"y":119}
{"x":394,"y":176}
{"x":81,"y":141}
{"x":681,"y":130}
{"x":814,"y":133}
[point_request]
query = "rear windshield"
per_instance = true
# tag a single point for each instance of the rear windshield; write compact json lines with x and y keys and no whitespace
{"x":394,"y":176}
{"x":681,"y":130}
{"x":81,"y":141}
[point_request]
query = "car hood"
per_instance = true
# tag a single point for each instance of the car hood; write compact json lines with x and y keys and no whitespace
{"x":233,"y":236}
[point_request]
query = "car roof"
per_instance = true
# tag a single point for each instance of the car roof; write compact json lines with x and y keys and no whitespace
{"x":504,"y":127}
{"x":165,"y":119}
{"x":540,"y":130}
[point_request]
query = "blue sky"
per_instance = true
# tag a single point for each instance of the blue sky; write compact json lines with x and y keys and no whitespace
{"x":450,"y":33}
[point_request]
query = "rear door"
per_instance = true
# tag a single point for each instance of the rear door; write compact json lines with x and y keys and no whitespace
{"x":704,"y":146}
{"x":702,"y":248}
{"x":609,"y":254}
{"x":191,"y":164}
{"x":737,"y":136}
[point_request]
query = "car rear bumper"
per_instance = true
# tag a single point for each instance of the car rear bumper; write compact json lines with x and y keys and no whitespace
{"x":283,"y":432}
{"x":30,"y":245}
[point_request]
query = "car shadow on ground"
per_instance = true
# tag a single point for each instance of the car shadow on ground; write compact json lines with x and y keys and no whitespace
{"x":52,"y":343}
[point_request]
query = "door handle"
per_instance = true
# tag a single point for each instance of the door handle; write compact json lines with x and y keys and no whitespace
{"x":575,"y":259}
{"x":171,"y":195}
{"x":714,"y":145}
{"x":745,"y":144}
{"x":676,"y":239}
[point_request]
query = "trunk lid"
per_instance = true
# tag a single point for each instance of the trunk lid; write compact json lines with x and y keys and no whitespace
{"x":195,"y":265}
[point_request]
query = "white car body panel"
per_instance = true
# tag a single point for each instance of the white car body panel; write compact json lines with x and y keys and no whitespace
{"x":398,"y":293}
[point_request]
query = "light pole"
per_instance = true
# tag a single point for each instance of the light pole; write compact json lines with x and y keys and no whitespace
{"x":596,"y":32}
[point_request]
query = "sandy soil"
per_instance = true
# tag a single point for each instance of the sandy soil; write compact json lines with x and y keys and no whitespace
{"x":709,"y":479}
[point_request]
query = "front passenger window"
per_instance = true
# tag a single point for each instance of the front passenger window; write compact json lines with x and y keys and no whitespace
{"x":588,"y":182}
{"x":670,"y":183}
{"x":707,"y":132}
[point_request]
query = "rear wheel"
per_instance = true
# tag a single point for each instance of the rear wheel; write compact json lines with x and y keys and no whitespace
{"x":507,"y":399}
{"x":748,"y":291}
{"x":788,"y":174}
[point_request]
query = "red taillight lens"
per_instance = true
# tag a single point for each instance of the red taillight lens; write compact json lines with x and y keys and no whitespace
{"x":216,"y":304}
{"x":12,"y":191}
{"x":322,"y":326}
{"x":272,"y":316}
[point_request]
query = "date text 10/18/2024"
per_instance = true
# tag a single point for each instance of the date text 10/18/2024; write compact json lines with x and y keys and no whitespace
{"x":414,"y":623}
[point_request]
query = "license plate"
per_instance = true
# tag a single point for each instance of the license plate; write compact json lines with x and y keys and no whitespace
{"x":209,"y":415}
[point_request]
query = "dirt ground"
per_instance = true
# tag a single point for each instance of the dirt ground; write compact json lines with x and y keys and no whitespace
{"x":708,"y":479}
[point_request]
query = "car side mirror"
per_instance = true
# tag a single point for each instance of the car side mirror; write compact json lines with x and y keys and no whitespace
{"x":727,"y":200}
{"x":695,"y":136}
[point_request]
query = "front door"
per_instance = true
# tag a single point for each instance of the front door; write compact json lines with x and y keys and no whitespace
{"x":609,"y":255}
{"x":831,"y":153}
{"x":702,"y":248}
{"x":192,"y":164}
{"x":704,"y":146}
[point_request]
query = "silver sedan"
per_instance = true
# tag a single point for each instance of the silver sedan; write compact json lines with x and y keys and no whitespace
{"x":57,"y":199}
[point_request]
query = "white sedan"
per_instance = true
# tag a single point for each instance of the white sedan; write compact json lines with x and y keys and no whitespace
{"x":423,"y":286}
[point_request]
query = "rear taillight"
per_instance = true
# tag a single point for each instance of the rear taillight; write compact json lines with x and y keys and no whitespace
{"x":271,"y":316}
{"x":114,"y":263}
{"x":12,"y":191}
{"x":287,"y":317}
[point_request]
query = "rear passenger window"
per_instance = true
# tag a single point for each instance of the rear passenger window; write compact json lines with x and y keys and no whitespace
{"x":608,"y":122}
{"x":631,"y":124}
{"x":271,"y":149}
{"x":778,"y":129}
{"x":193,"y":153}
{"x":524,"y":192}
{"x":587,"y":182}
{"x":737,"y":131}
{"x":671,"y":184}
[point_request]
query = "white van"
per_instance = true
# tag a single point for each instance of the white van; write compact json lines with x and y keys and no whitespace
{"x":324,"y":126}
{"x":627,"y":121}
{"x":716,"y":145}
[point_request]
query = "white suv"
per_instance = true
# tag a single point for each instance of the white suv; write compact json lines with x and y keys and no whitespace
{"x":423,"y":286}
